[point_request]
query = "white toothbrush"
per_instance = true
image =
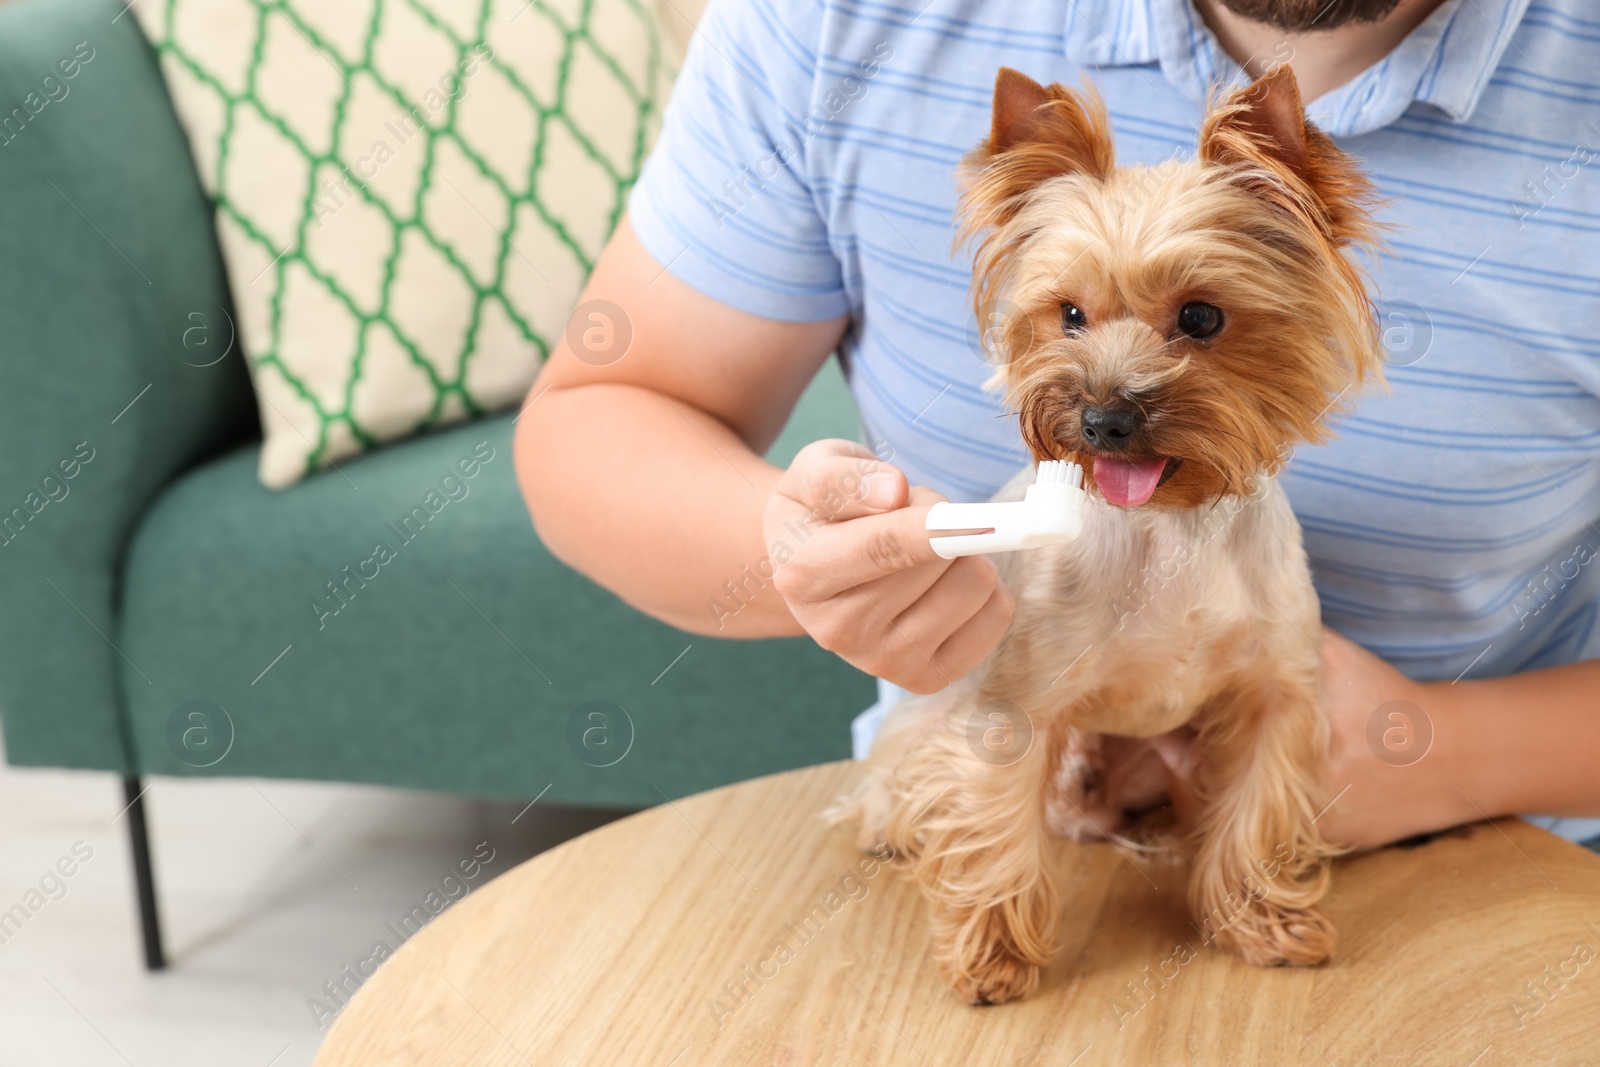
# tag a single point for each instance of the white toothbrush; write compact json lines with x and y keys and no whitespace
{"x":1049,"y":513}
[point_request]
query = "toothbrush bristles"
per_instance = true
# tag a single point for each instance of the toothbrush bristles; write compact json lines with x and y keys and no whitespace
{"x":1056,"y":471}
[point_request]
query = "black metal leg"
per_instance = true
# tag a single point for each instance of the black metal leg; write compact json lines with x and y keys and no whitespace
{"x":143,"y":880}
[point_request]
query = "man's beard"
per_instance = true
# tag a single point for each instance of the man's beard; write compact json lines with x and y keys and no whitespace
{"x":1298,"y":16}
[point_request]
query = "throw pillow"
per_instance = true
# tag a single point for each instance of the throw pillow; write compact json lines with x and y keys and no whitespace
{"x":409,"y":193}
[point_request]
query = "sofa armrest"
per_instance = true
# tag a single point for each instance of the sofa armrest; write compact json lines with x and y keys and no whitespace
{"x":113,"y":313}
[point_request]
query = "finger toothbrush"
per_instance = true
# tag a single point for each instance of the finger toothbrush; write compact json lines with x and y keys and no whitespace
{"x":1049,"y":513}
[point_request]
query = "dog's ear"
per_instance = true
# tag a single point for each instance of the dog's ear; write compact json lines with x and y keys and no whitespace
{"x":1263,"y":125}
{"x":1038,"y":132}
{"x":1068,"y":128}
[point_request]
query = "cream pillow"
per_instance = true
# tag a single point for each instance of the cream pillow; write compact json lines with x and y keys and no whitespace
{"x":409,"y":193}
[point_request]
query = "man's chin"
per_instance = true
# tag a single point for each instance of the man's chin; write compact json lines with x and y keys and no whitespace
{"x":1306,"y":16}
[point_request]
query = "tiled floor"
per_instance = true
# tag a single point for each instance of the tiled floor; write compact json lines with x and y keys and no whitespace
{"x":268,"y":889}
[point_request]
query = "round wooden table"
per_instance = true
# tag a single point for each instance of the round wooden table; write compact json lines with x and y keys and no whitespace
{"x":736,"y":928}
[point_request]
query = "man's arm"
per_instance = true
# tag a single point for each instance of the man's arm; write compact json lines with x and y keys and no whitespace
{"x":644,"y":472}
{"x":1463,"y":751}
{"x":1521,"y":743}
{"x":1532,"y":740}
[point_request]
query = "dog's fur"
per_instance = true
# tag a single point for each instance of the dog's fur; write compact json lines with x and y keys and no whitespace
{"x":1196,"y":607}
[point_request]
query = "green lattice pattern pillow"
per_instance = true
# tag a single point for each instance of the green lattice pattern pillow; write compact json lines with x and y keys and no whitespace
{"x":409,"y":193}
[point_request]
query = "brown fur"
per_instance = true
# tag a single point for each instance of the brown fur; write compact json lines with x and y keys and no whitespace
{"x":1140,"y":242}
{"x":1260,"y":225}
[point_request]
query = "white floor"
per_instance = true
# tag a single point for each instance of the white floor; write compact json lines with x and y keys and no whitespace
{"x":268,"y":889}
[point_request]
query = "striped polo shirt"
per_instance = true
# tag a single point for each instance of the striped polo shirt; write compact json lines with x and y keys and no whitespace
{"x":806,"y":170}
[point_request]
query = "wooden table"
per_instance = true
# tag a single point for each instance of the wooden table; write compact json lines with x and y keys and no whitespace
{"x":653,"y":942}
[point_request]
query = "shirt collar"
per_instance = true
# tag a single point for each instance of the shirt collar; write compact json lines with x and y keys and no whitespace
{"x":1445,"y":62}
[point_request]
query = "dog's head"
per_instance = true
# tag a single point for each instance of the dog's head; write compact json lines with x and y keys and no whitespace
{"x":1175,"y":328}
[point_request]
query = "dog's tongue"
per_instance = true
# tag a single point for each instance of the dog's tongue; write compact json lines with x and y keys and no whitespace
{"x":1127,"y":483}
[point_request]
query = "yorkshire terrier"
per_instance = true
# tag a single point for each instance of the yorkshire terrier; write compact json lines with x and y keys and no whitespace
{"x":1176,"y":330}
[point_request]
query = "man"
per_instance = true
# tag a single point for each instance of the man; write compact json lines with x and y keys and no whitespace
{"x":800,"y":201}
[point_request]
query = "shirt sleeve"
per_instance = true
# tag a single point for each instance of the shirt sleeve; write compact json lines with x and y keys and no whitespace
{"x":725,"y":202}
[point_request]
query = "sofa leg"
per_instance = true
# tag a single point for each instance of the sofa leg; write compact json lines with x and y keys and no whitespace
{"x":143,"y":880}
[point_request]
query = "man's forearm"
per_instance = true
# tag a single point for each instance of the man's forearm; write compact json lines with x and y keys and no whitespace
{"x":1523,"y":743}
{"x":655,"y":500}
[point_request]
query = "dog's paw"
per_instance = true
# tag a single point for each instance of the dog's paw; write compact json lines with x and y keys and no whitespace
{"x":995,"y":981}
{"x":1276,"y":937}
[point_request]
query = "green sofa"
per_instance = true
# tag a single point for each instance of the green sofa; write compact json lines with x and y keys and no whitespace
{"x":160,"y":609}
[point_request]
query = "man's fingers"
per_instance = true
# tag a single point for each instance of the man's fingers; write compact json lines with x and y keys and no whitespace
{"x":835,"y":447}
{"x":872,"y":546}
{"x":834,"y":480}
{"x":894,"y":593}
{"x":977,"y":637}
{"x":1176,"y":749}
{"x":957,"y":594}
{"x":862,"y":576}
{"x":1136,"y":778}
{"x":927,"y":625}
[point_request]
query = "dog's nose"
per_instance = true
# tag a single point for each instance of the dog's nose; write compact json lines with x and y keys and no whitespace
{"x":1109,"y":428}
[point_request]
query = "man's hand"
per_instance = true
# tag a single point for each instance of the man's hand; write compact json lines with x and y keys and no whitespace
{"x":1399,"y":783}
{"x":855,"y":566}
{"x":1374,"y":795}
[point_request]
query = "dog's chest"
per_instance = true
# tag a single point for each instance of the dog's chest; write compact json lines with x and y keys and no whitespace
{"x":1148,"y":616}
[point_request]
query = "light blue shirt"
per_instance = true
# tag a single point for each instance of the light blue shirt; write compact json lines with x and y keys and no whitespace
{"x":806,"y":171}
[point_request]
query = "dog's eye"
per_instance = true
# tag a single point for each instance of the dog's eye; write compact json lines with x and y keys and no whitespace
{"x":1199,"y":320}
{"x":1073,"y":320}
